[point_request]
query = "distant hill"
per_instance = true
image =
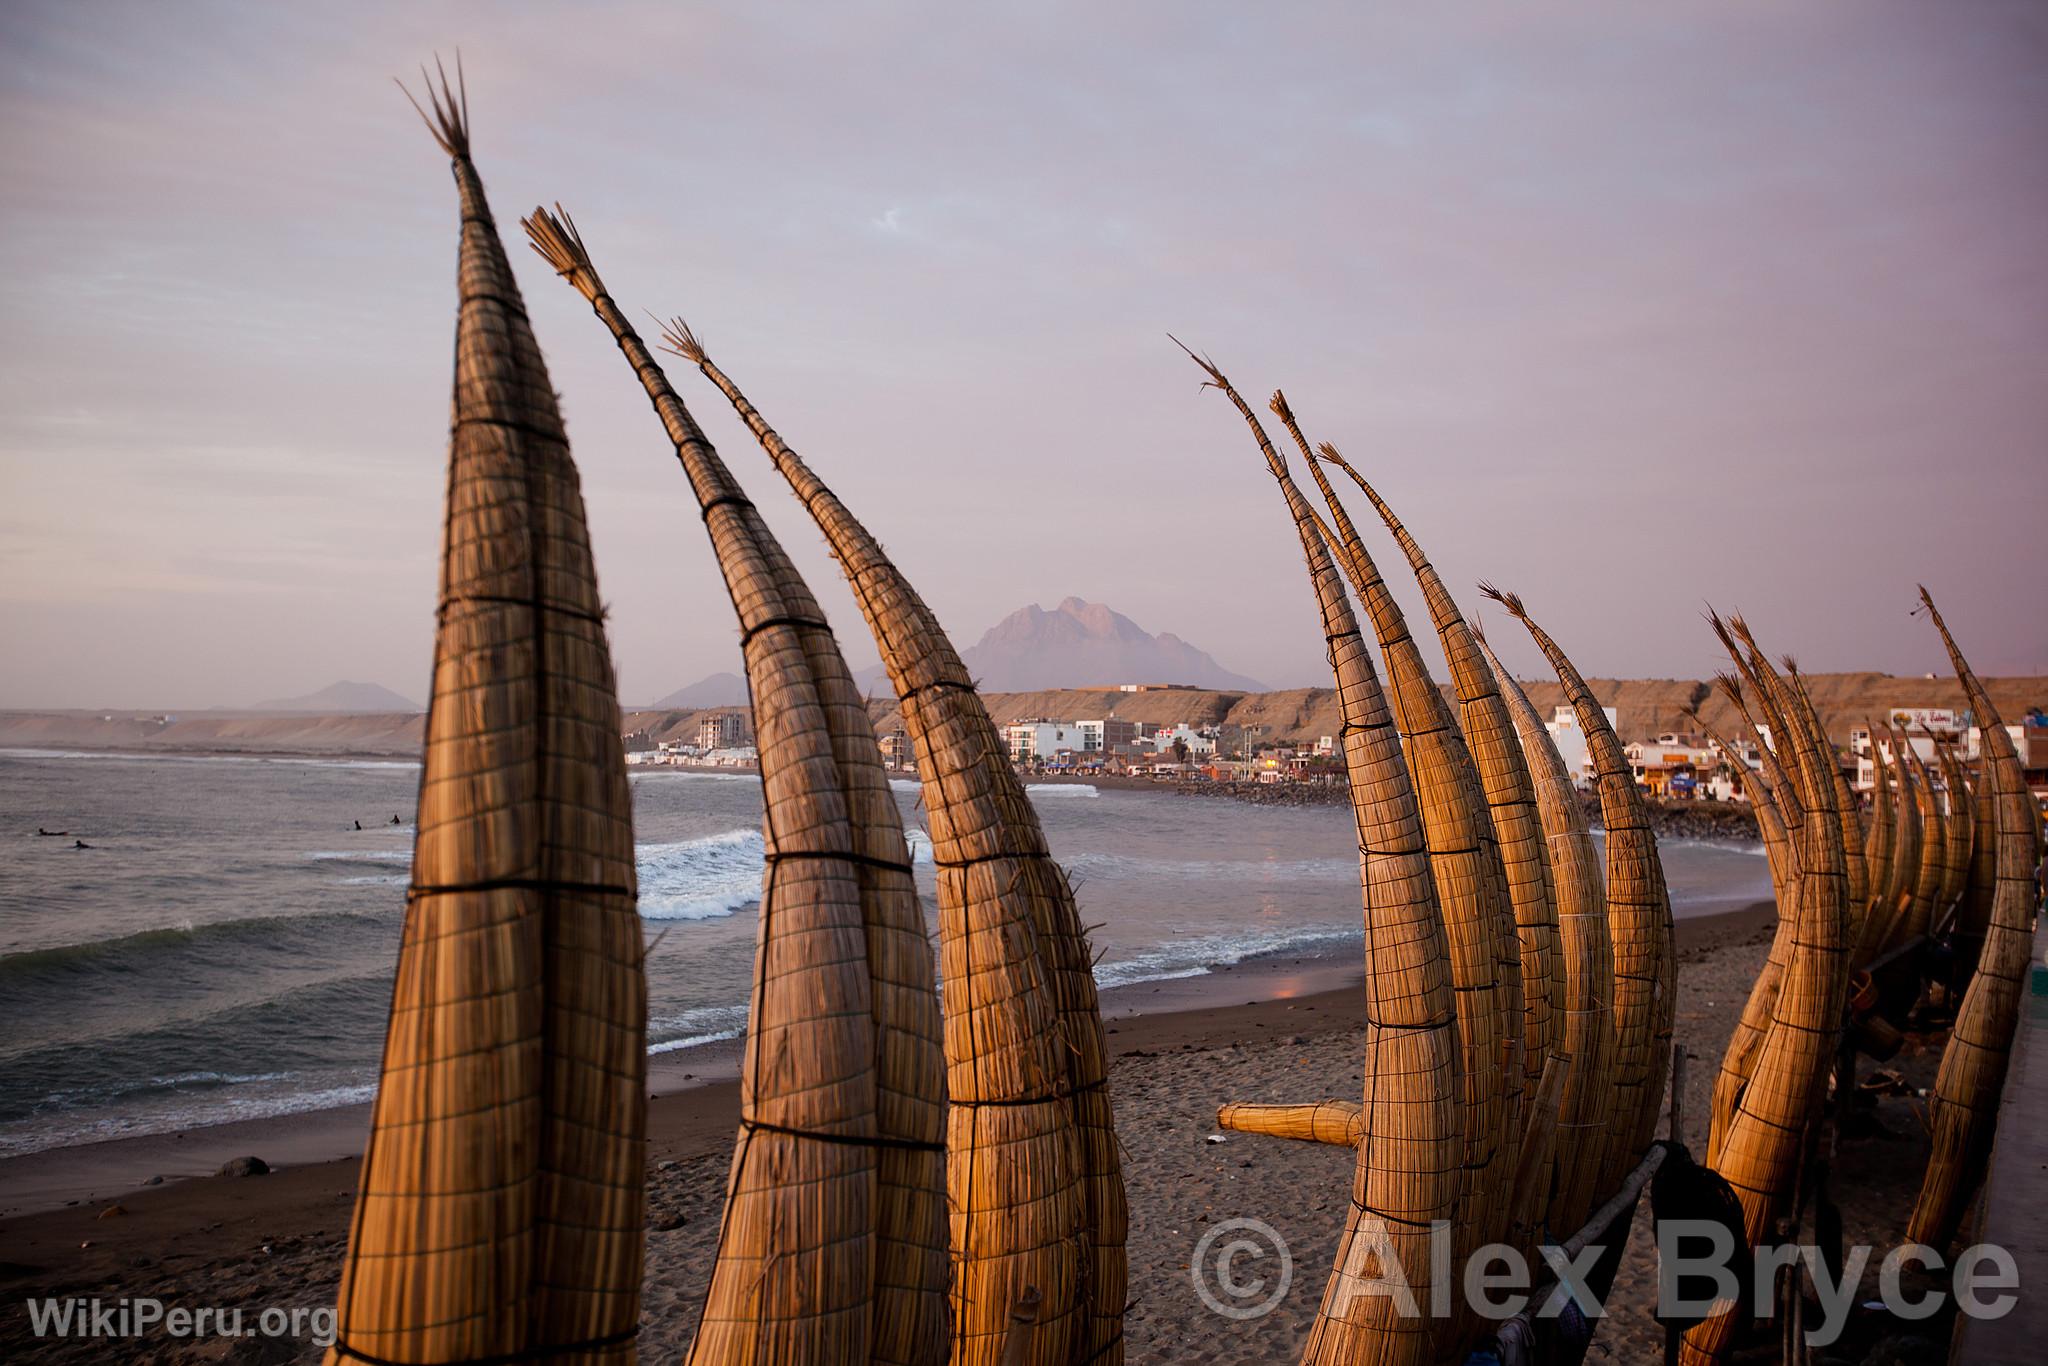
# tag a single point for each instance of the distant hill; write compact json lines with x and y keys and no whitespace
{"x":341,"y":698}
{"x":1081,"y":644}
{"x":713,"y":690}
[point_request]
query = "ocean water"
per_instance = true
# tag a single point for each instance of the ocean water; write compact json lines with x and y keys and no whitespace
{"x":225,"y":947}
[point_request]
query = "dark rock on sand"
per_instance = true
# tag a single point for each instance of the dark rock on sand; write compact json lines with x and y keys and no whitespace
{"x":245,"y":1166}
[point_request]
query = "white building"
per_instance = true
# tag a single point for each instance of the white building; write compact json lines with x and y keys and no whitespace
{"x":1197,"y":743}
{"x":1563,"y":726}
{"x":1922,"y":727}
{"x":1028,"y":740}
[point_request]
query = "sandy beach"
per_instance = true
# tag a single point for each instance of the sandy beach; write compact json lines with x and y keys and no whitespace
{"x":84,"y":1223}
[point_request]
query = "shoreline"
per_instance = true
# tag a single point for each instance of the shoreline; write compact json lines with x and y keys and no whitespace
{"x":694,"y":1093}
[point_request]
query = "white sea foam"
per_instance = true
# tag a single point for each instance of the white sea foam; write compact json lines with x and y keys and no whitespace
{"x":1062,"y":789}
{"x":700,"y":879}
{"x":1197,"y":957}
{"x":696,"y":1027}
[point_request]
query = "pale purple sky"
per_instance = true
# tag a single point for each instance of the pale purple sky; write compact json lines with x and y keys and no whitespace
{"x":1629,"y":307}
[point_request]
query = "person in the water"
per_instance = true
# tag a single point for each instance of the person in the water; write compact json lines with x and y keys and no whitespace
{"x":395,"y":820}
{"x":47,"y":833}
{"x":80,"y":844}
{"x":359,"y":825}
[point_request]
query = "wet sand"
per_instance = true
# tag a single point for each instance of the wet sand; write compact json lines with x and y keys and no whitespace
{"x":1281,"y":1030}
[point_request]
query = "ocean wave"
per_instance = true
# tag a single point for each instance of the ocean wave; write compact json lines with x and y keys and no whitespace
{"x":154,"y":757}
{"x":1062,"y":789}
{"x":58,"y":958}
{"x":361,"y":855}
{"x":700,"y":879}
{"x":1246,"y":870}
{"x":1197,"y":957}
{"x":697,"y":1027}
{"x":1718,"y":846}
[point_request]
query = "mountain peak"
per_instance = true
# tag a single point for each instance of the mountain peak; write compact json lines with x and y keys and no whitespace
{"x":1088,"y":644}
{"x":345,"y":696}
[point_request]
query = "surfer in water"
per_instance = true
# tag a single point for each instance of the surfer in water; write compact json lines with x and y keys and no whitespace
{"x":359,"y":825}
{"x":80,"y":844}
{"x":395,"y":820}
{"x":48,"y":833}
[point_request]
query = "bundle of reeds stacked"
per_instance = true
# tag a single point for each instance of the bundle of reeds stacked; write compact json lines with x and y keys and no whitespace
{"x":1638,"y":918}
{"x":1034,"y":1176}
{"x":832,"y":1247}
{"x":1879,"y":834}
{"x":502,"y":1188}
{"x":1338,"y":1122}
{"x":1918,"y":917}
{"x":1980,"y":891}
{"x":1963,"y":1111}
{"x":1486,"y":964}
{"x":1780,"y":843}
{"x":1904,"y":874}
{"x":1796,"y":706}
{"x":1585,"y":960}
{"x":1411,"y":1153}
{"x":1959,"y":831}
{"x":1505,"y":784}
{"x":1765,"y":1140}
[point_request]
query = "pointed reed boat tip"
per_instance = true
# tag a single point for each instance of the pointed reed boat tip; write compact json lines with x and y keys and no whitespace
{"x":1278,"y":403}
{"x":554,"y":237}
{"x":678,"y":339}
{"x":1511,"y":601}
{"x":1216,"y":379}
{"x":449,"y":119}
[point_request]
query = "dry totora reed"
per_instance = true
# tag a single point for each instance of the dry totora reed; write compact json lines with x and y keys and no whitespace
{"x":1879,"y":833}
{"x":1339,"y":1122}
{"x":1919,"y":915}
{"x":1739,"y":1058}
{"x":1964,"y":1108}
{"x":1411,"y":1153}
{"x":502,"y":1188}
{"x":1765,"y":1140}
{"x":1507,"y":786}
{"x":1471,"y":886}
{"x":1638,"y":918}
{"x":1034,"y":1174}
{"x":1585,"y":961}
{"x":1959,"y":830}
{"x":832,"y":1247}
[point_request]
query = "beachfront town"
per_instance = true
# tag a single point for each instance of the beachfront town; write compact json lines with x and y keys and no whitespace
{"x":1672,"y":765}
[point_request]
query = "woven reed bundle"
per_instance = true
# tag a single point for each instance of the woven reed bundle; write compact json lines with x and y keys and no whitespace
{"x":1919,"y":910}
{"x":1534,"y":1158}
{"x":1907,"y":838}
{"x":1881,"y":830}
{"x":1486,"y":964}
{"x":1796,"y":706}
{"x":1981,"y":889}
{"x":502,"y":1188}
{"x":1739,"y":1059}
{"x":1963,"y":1111}
{"x":833,"y":1242}
{"x":1506,"y":785}
{"x":1012,"y":948}
{"x":1338,"y":1122}
{"x":1765,"y":1141}
{"x":1411,"y":1167}
{"x":1585,"y":960}
{"x":1638,"y":918}
{"x":1959,"y":831}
